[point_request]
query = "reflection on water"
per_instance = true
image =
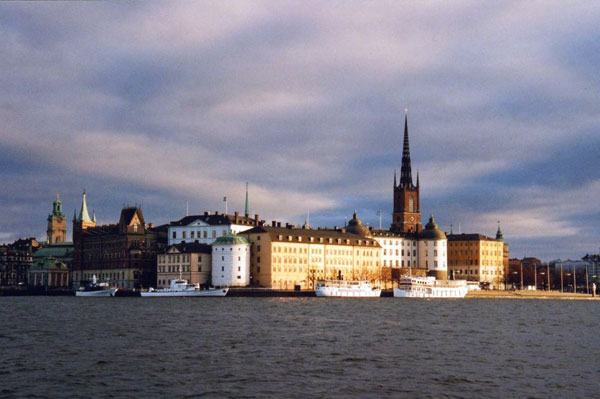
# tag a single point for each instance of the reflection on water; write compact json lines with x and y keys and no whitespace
{"x":297,"y":347}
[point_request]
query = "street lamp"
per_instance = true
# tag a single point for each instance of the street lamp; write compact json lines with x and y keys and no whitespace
{"x":561,"y":278}
{"x":567,"y":274}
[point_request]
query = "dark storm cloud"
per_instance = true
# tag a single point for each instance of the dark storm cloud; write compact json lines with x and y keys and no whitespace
{"x":167,"y":103}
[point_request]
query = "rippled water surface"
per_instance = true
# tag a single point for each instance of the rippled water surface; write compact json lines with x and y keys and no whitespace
{"x":298,"y":347}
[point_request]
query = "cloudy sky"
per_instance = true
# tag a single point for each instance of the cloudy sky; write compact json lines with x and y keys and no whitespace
{"x":163,"y":103}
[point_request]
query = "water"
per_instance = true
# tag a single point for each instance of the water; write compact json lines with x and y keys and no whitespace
{"x":297,"y":347}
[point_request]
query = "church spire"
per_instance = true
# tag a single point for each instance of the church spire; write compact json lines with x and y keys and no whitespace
{"x":84,"y":216}
{"x":395,"y":184}
{"x":499,"y":235}
{"x":247,"y":208}
{"x":405,"y":172}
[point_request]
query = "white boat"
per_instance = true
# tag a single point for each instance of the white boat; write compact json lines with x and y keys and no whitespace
{"x":429,"y":287}
{"x":341,"y":288}
{"x":180,"y":287}
{"x":96,"y":289}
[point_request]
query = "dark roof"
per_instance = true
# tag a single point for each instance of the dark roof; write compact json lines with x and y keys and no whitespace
{"x":105,"y":229}
{"x":58,"y":250}
{"x":159,"y":229}
{"x":284,"y":232}
{"x":388,"y":233}
{"x":128,"y":213}
{"x":192,"y":247}
{"x":469,"y":237}
{"x":214,"y":220}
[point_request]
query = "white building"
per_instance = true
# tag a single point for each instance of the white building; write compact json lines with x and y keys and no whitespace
{"x":230,"y":261}
{"x":206,"y":228}
{"x":432,"y":250}
{"x":397,"y":250}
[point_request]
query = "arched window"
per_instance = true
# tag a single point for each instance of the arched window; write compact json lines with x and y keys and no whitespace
{"x":411,"y":204}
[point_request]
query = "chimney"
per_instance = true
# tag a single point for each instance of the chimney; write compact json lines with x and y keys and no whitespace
{"x":236,"y":216}
{"x":151,"y":225}
{"x":256,"y":220}
{"x":335,"y":228}
{"x":274,"y":223}
{"x":278,"y":224}
{"x":343,"y":230}
{"x":216,"y":212}
{"x":206,"y":213}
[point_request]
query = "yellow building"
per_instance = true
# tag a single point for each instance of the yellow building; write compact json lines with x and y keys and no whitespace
{"x":289,"y":257}
{"x":476,"y":257}
{"x":194,"y":260}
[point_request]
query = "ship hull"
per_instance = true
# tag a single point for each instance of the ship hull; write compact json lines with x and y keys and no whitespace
{"x":346,"y":293}
{"x":431,"y":293}
{"x":99,"y":293}
{"x":202,"y":293}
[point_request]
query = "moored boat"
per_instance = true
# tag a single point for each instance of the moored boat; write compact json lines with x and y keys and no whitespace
{"x":180,"y":287}
{"x":429,"y":287}
{"x":96,"y":289}
{"x":341,"y":288}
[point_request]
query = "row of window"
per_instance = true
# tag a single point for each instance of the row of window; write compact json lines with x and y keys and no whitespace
{"x":322,"y":240}
{"x":196,"y":234}
{"x":414,"y":252}
{"x":399,"y":242}
{"x":176,"y":258}
{"x":399,"y":263}
{"x":175,"y":269}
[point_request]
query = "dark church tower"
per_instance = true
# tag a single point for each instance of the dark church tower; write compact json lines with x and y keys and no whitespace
{"x":407,"y":213}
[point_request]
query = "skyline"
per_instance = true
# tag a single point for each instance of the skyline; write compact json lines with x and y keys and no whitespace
{"x":163,"y":105}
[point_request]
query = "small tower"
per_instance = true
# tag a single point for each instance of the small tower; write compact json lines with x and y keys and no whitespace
{"x":247,"y":207}
{"x":499,"y":235}
{"x":432,"y":247}
{"x":83,"y":221}
{"x":57,"y":223}
{"x":230,"y":261}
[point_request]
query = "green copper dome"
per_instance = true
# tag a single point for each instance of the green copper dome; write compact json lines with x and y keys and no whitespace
{"x":230,"y":239}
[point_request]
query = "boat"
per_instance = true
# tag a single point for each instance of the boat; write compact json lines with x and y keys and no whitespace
{"x":429,"y":287}
{"x":180,"y":287}
{"x":96,"y":289}
{"x":341,"y":288}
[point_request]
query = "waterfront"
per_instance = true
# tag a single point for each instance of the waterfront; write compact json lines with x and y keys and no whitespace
{"x":297,"y":347}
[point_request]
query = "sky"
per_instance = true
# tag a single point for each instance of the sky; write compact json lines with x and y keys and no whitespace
{"x":177,"y":104}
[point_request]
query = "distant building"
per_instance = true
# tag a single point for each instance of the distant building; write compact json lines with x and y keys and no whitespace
{"x":231,"y":261}
{"x":15,"y":261}
{"x":49,"y":272}
{"x":286,"y":257}
{"x":191,"y":261}
{"x":476,"y":257}
{"x":208,"y":227}
{"x":57,"y":224}
{"x":122,"y":254}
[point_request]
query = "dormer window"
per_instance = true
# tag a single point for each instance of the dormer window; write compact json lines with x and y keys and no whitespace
{"x":135,"y":227}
